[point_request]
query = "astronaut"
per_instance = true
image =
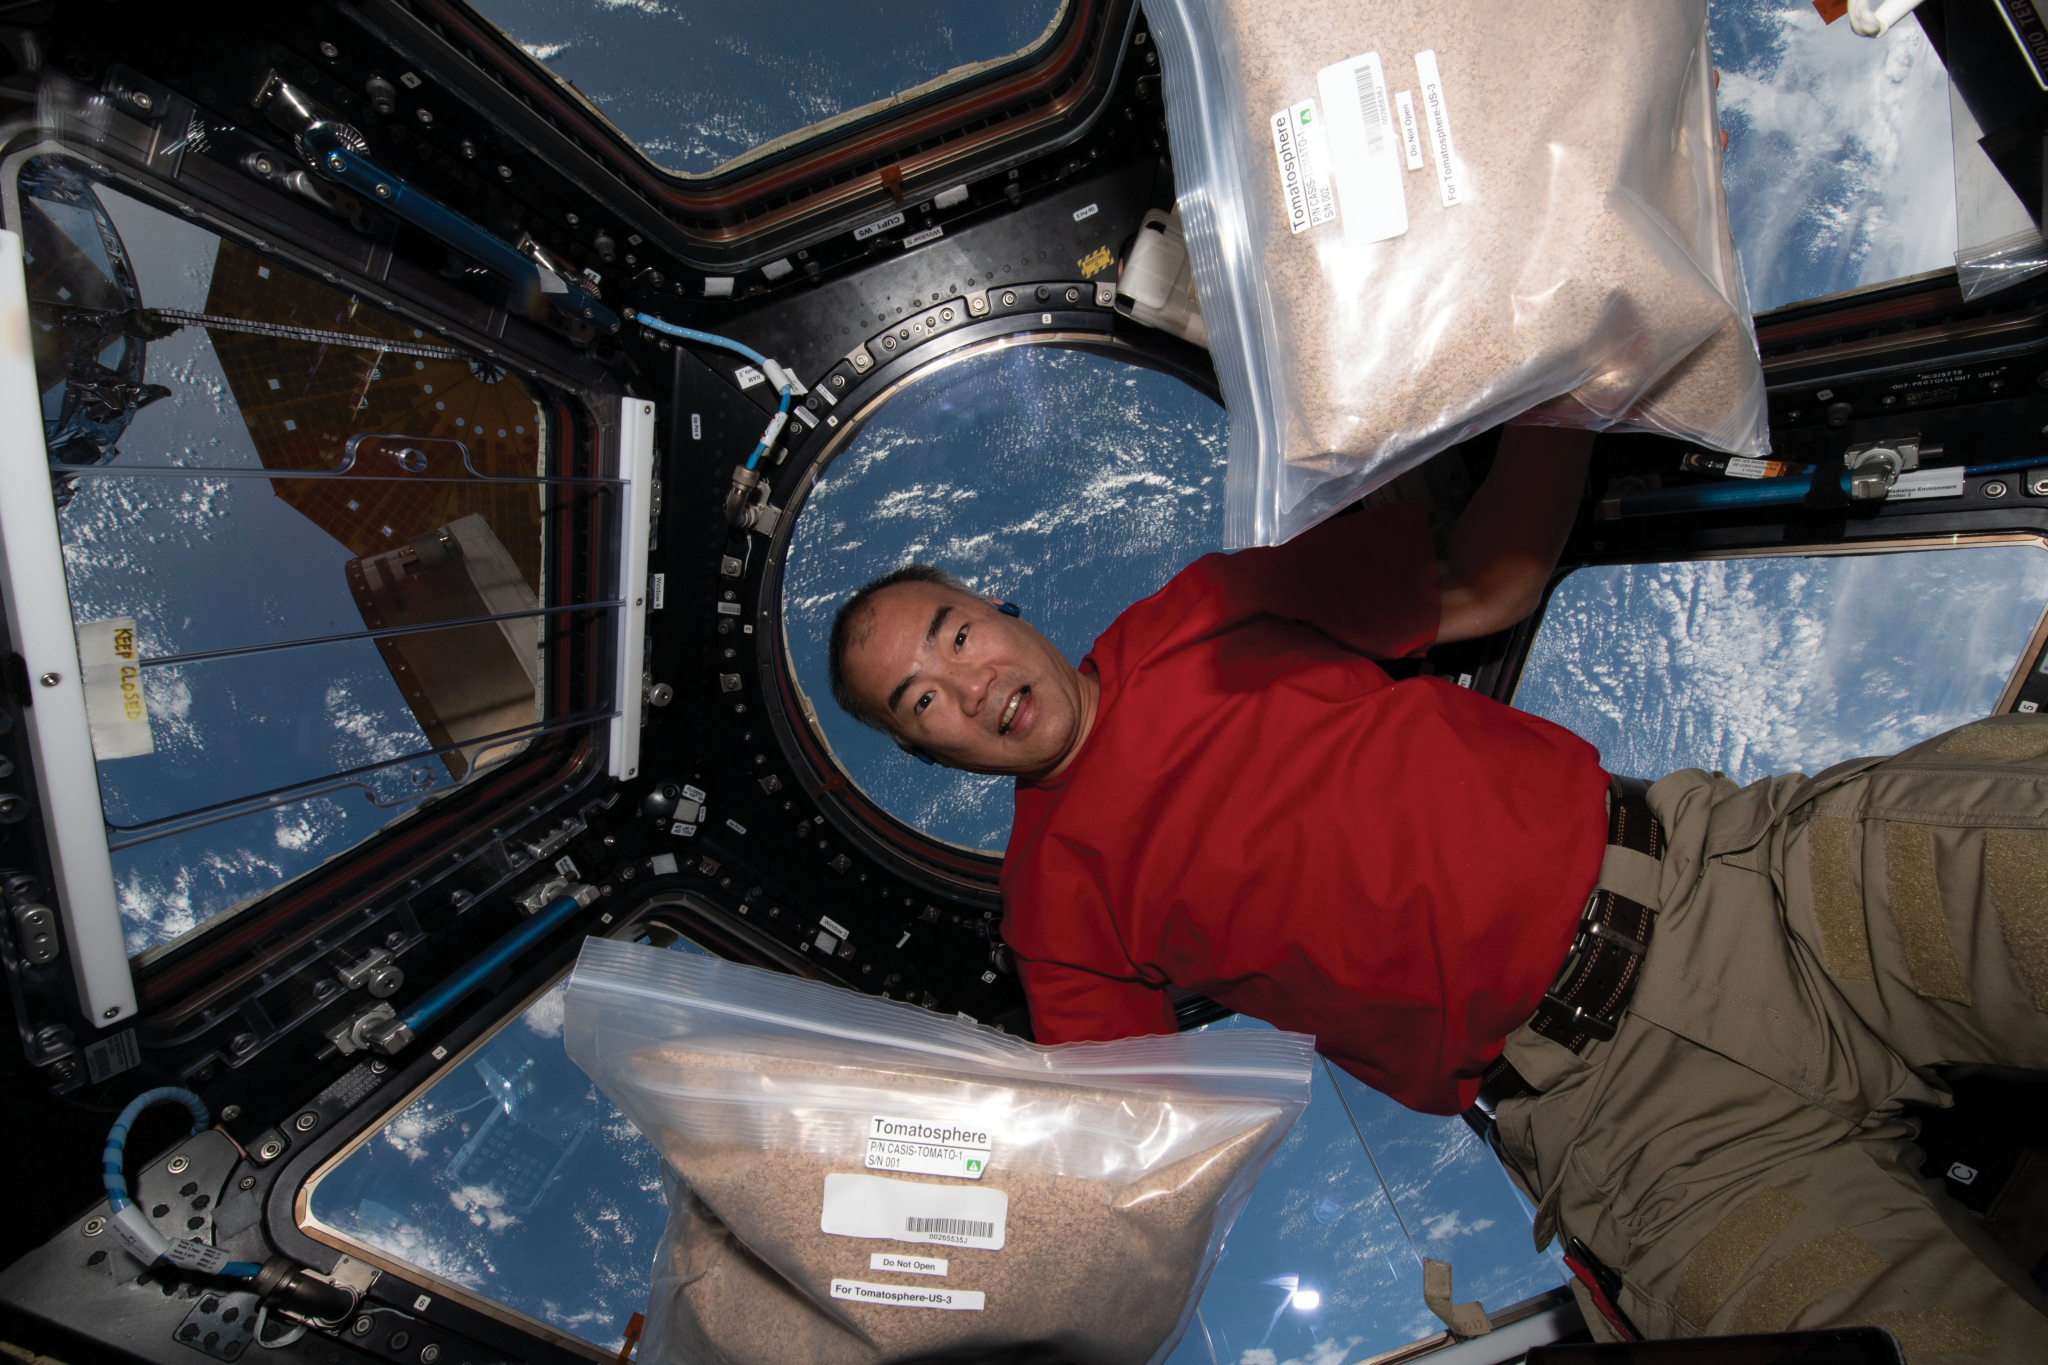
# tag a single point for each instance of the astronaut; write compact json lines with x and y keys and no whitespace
{"x":1688,"y":1016}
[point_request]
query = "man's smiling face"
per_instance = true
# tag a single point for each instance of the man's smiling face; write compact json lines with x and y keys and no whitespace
{"x":974,"y":688}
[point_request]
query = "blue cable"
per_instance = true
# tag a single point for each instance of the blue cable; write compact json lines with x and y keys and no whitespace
{"x":692,"y":334}
{"x":117,"y":1137}
{"x":471,"y":975}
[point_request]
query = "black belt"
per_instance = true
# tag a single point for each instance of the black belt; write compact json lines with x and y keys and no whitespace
{"x":1592,"y":989}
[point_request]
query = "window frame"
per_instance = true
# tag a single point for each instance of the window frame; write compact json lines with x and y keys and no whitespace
{"x":242,"y":976}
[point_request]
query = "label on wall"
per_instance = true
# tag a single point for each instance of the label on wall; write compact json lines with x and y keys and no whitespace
{"x":114,"y":705}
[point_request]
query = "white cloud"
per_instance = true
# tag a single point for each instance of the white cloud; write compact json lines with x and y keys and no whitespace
{"x":542,"y":52}
{"x":1449,"y":1225}
{"x":485,"y":1205}
{"x":1839,"y":167}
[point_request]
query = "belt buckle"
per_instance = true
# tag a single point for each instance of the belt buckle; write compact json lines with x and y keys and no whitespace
{"x":1591,"y":1024}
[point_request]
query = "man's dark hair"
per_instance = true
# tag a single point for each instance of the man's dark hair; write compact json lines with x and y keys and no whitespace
{"x":853,"y":625}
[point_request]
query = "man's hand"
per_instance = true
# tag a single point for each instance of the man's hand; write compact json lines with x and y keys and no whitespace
{"x":1505,"y":545}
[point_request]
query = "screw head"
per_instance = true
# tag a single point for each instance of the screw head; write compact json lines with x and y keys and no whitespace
{"x":383,"y":190}
{"x":362,"y":1325}
{"x":94,"y":1227}
{"x":329,"y":50}
{"x":178,"y":1165}
{"x":306,"y":1122}
{"x":270,"y":1151}
{"x":425,"y":116}
{"x":504,"y":172}
{"x":141,"y":100}
{"x":51,"y":679}
{"x":1995,"y":489}
{"x":229,"y":1113}
{"x":336,"y":162}
{"x":379,"y":1066}
{"x":247,"y":1182}
{"x":264,"y":166}
{"x":111,"y":1012}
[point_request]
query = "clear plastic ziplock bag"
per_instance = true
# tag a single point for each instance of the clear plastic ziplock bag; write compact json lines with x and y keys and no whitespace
{"x":854,"y":1181}
{"x":1410,"y":221}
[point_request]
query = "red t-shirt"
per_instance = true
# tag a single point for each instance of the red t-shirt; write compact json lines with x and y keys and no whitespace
{"x":1262,"y":815}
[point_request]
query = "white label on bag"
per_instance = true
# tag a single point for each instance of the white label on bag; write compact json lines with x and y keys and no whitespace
{"x":904,"y":1296}
{"x":1365,"y":151}
{"x":1742,"y":467}
{"x":919,"y":1148}
{"x":907,"y":1265}
{"x":1305,"y":185}
{"x":1437,"y":120}
{"x":898,"y":1211}
{"x":1411,"y":131}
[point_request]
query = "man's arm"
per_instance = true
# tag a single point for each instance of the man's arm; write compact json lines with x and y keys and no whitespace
{"x":1505,"y":545}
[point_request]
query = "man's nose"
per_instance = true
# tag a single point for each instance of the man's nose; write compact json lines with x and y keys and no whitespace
{"x":976,"y":683}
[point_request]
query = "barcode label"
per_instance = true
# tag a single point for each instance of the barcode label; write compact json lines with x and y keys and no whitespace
{"x":875,"y":1207}
{"x":1372,"y":107}
{"x":956,"y":1227}
{"x":1365,"y":152}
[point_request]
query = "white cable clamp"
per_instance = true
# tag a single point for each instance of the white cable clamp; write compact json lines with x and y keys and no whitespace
{"x":774,"y":431}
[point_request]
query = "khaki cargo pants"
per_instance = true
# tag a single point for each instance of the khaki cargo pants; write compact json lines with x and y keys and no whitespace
{"x":1737,"y":1151}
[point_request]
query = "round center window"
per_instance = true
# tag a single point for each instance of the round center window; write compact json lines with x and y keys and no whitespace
{"x":1064,"y":481}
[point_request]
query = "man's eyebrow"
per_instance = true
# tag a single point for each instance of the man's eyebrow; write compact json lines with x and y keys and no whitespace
{"x":930,"y":633}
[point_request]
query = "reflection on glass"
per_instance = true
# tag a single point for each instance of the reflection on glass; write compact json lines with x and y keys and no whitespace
{"x":1067,"y":483}
{"x":695,"y":85}
{"x":513,"y":1177}
{"x":1838,"y":168}
{"x":1773,"y":665}
{"x":1325,"y":1263}
{"x":161,"y":345}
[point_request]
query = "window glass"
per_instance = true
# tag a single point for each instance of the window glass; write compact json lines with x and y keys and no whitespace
{"x":513,"y":1177}
{"x":1325,"y":1263}
{"x":1839,"y":167}
{"x":248,"y":464}
{"x":1065,"y":482}
{"x":1761,"y":666}
{"x":513,"y":1155}
{"x":695,"y":85}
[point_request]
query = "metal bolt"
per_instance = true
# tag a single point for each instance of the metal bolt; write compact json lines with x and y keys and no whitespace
{"x":362,"y":1325}
{"x":1073,"y":295}
{"x":429,"y":1354}
{"x":379,"y":1067}
{"x":1995,"y":489}
{"x":141,"y":100}
{"x":270,"y":1151}
{"x":329,"y":50}
{"x":504,"y":172}
{"x":1009,"y":298}
{"x":424,"y":115}
{"x":94,"y":1227}
{"x":229,"y":1113}
{"x":383,"y":190}
{"x":307,"y":1122}
{"x":51,"y":679}
{"x":111,"y":1012}
{"x":247,"y":1182}
{"x":177,"y":1165}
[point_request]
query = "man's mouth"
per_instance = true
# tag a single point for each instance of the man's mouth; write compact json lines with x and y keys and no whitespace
{"x":1010,"y":711}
